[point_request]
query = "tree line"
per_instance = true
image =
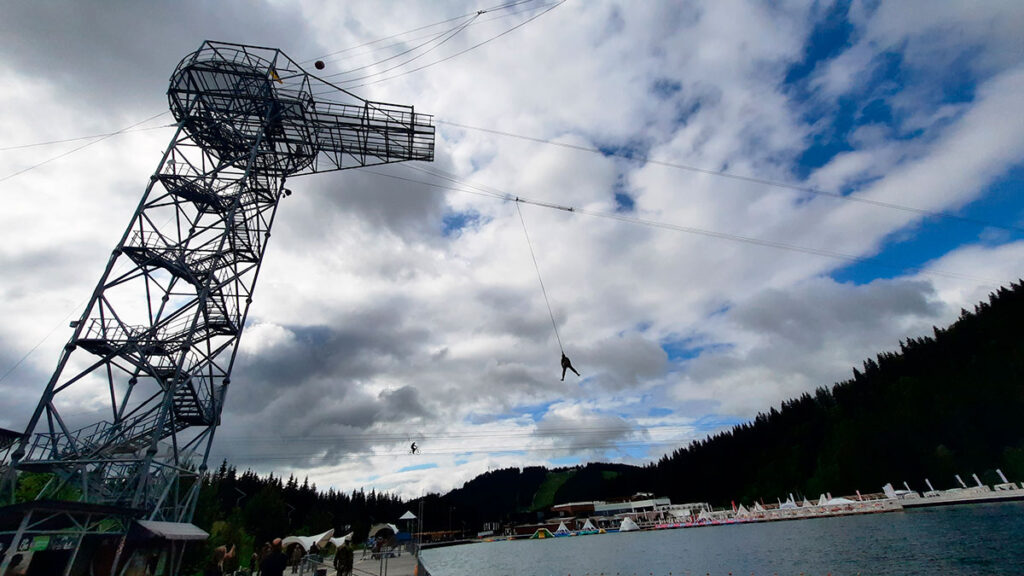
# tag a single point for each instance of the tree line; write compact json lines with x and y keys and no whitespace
{"x":944,"y":404}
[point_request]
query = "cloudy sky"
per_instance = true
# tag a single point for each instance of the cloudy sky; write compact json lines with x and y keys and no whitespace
{"x":765,"y":194}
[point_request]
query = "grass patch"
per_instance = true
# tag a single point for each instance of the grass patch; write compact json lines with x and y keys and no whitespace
{"x":545,"y":496}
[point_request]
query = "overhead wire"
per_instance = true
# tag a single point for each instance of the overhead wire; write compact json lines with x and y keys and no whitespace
{"x":90,"y":137}
{"x":444,"y":36}
{"x":477,"y":22}
{"x":743,"y":178}
{"x":461,"y":52}
{"x":503,"y":196}
{"x":452,"y":19}
{"x":361,"y":453}
{"x":539,"y":278}
{"x":83,"y":146}
{"x":476,"y":434}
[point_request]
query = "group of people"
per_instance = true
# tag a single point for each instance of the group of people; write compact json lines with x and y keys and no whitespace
{"x":272,"y":561}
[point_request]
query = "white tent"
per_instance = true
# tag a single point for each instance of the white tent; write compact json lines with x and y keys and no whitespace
{"x":742,"y":512}
{"x":806,"y":503}
{"x":822,"y":500}
{"x":835,"y":501}
{"x":588,"y":527}
{"x":307,"y":542}
{"x":339,"y":542}
{"x":628,"y":525}
{"x":562,"y":529}
{"x":408,"y":516}
{"x":378,"y":528}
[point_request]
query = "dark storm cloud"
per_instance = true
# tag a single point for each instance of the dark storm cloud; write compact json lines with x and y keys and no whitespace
{"x":586,"y":432}
{"x":359,"y":347}
{"x":115,"y":53}
{"x":59,"y":265}
{"x":19,"y":387}
{"x":803,"y":316}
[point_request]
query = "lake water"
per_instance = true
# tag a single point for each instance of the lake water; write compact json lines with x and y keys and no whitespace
{"x":981,"y":539}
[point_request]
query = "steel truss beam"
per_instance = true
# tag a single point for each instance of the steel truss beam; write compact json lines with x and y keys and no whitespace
{"x":151,"y":355}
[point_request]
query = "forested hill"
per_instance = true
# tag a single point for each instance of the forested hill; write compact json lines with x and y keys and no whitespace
{"x":946,"y":404}
{"x":952,"y":403}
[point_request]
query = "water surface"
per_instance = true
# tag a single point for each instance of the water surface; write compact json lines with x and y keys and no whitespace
{"x":969,"y":539}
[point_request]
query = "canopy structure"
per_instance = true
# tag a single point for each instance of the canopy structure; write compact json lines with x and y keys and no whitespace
{"x":628,"y":525}
{"x":307,"y":542}
{"x":408,"y":516}
{"x":562,"y":530}
{"x":173,"y":530}
{"x":339,"y":542}
{"x":588,"y":527}
{"x":835,"y":501}
{"x":383,"y":530}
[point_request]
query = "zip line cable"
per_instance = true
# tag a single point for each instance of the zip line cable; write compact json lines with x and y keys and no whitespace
{"x":51,"y":142}
{"x":461,"y":52}
{"x":435,"y":34}
{"x":433,"y":37}
{"x":446,"y":36}
{"x":452,"y":19}
{"x":541,"y":280}
{"x":83,"y":146}
{"x":400,"y":451}
{"x":485,"y":434}
{"x":743,"y":178}
{"x":470,"y":189}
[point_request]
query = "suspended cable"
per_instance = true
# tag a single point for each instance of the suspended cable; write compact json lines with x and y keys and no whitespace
{"x":470,"y":189}
{"x":461,"y":52}
{"x":476,"y":434}
{"x":400,"y":451}
{"x":541,"y":280}
{"x":436,"y":34}
{"x":83,"y":146}
{"x":50,"y":142}
{"x":450,"y":33}
{"x":371,"y":42}
{"x":446,"y":36}
{"x":743,"y":178}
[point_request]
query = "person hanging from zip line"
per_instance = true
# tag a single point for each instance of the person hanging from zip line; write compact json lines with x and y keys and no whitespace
{"x":413,"y":449}
{"x":566,"y":363}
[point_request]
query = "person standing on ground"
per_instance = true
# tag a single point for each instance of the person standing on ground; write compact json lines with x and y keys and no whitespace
{"x":215,"y":567}
{"x":296,"y":558}
{"x":343,"y":559}
{"x":274,"y":563}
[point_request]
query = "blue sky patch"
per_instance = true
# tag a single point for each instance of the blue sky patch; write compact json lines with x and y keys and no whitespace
{"x":683,"y":349}
{"x":831,"y":35}
{"x":658,"y":412}
{"x":665,"y":88}
{"x":905,"y":251}
{"x":418,"y":467}
{"x":564,"y":461}
{"x":453,"y":223}
{"x":713,"y":422}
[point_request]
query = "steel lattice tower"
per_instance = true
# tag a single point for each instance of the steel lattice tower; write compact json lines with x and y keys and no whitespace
{"x":159,"y":336}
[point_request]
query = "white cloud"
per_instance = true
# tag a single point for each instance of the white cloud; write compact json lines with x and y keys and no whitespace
{"x":371,"y":328}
